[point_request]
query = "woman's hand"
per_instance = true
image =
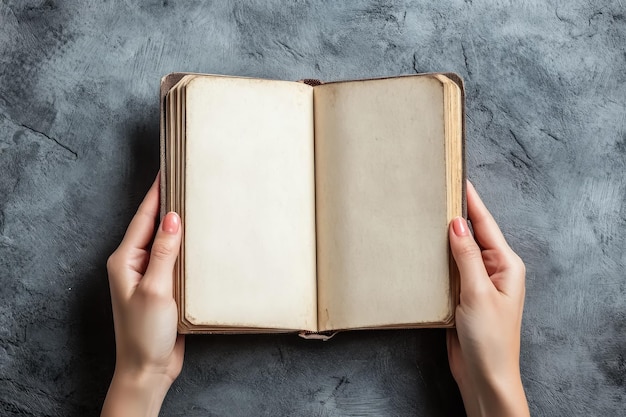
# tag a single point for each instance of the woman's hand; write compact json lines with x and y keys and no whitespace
{"x":149,"y":353}
{"x":484,"y":349}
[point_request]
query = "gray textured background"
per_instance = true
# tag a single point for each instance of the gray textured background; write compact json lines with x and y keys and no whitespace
{"x":546,"y":146}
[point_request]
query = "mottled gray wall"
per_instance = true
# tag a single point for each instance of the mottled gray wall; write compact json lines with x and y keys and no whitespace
{"x":546,"y":147}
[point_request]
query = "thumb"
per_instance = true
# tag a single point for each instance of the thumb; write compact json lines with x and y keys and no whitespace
{"x":468,"y":256}
{"x":165,"y":249}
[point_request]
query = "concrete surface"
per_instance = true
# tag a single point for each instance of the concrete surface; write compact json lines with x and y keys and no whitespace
{"x":546,"y":146}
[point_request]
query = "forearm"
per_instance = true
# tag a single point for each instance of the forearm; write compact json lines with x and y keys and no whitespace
{"x":135,"y":395}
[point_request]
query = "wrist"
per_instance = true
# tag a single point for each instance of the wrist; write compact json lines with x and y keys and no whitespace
{"x":135,"y":393}
{"x":501,"y":396}
{"x":144,"y":380}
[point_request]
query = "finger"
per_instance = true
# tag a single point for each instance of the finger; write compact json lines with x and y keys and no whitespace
{"x":179,"y":348}
{"x":141,"y":228}
{"x":497,"y":254}
{"x":485,"y":228}
{"x":163,"y":255}
{"x":454,"y":347}
{"x":468,"y":257}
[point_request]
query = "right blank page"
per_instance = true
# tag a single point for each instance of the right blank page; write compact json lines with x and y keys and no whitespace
{"x":382,"y":242}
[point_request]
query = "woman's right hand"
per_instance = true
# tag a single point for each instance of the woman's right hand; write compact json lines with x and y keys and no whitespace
{"x":484,"y":349}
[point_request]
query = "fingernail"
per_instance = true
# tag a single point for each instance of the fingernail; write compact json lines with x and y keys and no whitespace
{"x":171,"y":223}
{"x":459,"y":225}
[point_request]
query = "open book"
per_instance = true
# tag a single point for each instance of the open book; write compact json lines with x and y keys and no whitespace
{"x":313,"y":207}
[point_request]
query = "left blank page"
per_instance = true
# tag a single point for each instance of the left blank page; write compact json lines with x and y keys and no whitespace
{"x":250,"y":204}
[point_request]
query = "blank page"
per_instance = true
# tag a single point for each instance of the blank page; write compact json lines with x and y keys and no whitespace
{"x":249,"y":204}
{"x":382,"y":242}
